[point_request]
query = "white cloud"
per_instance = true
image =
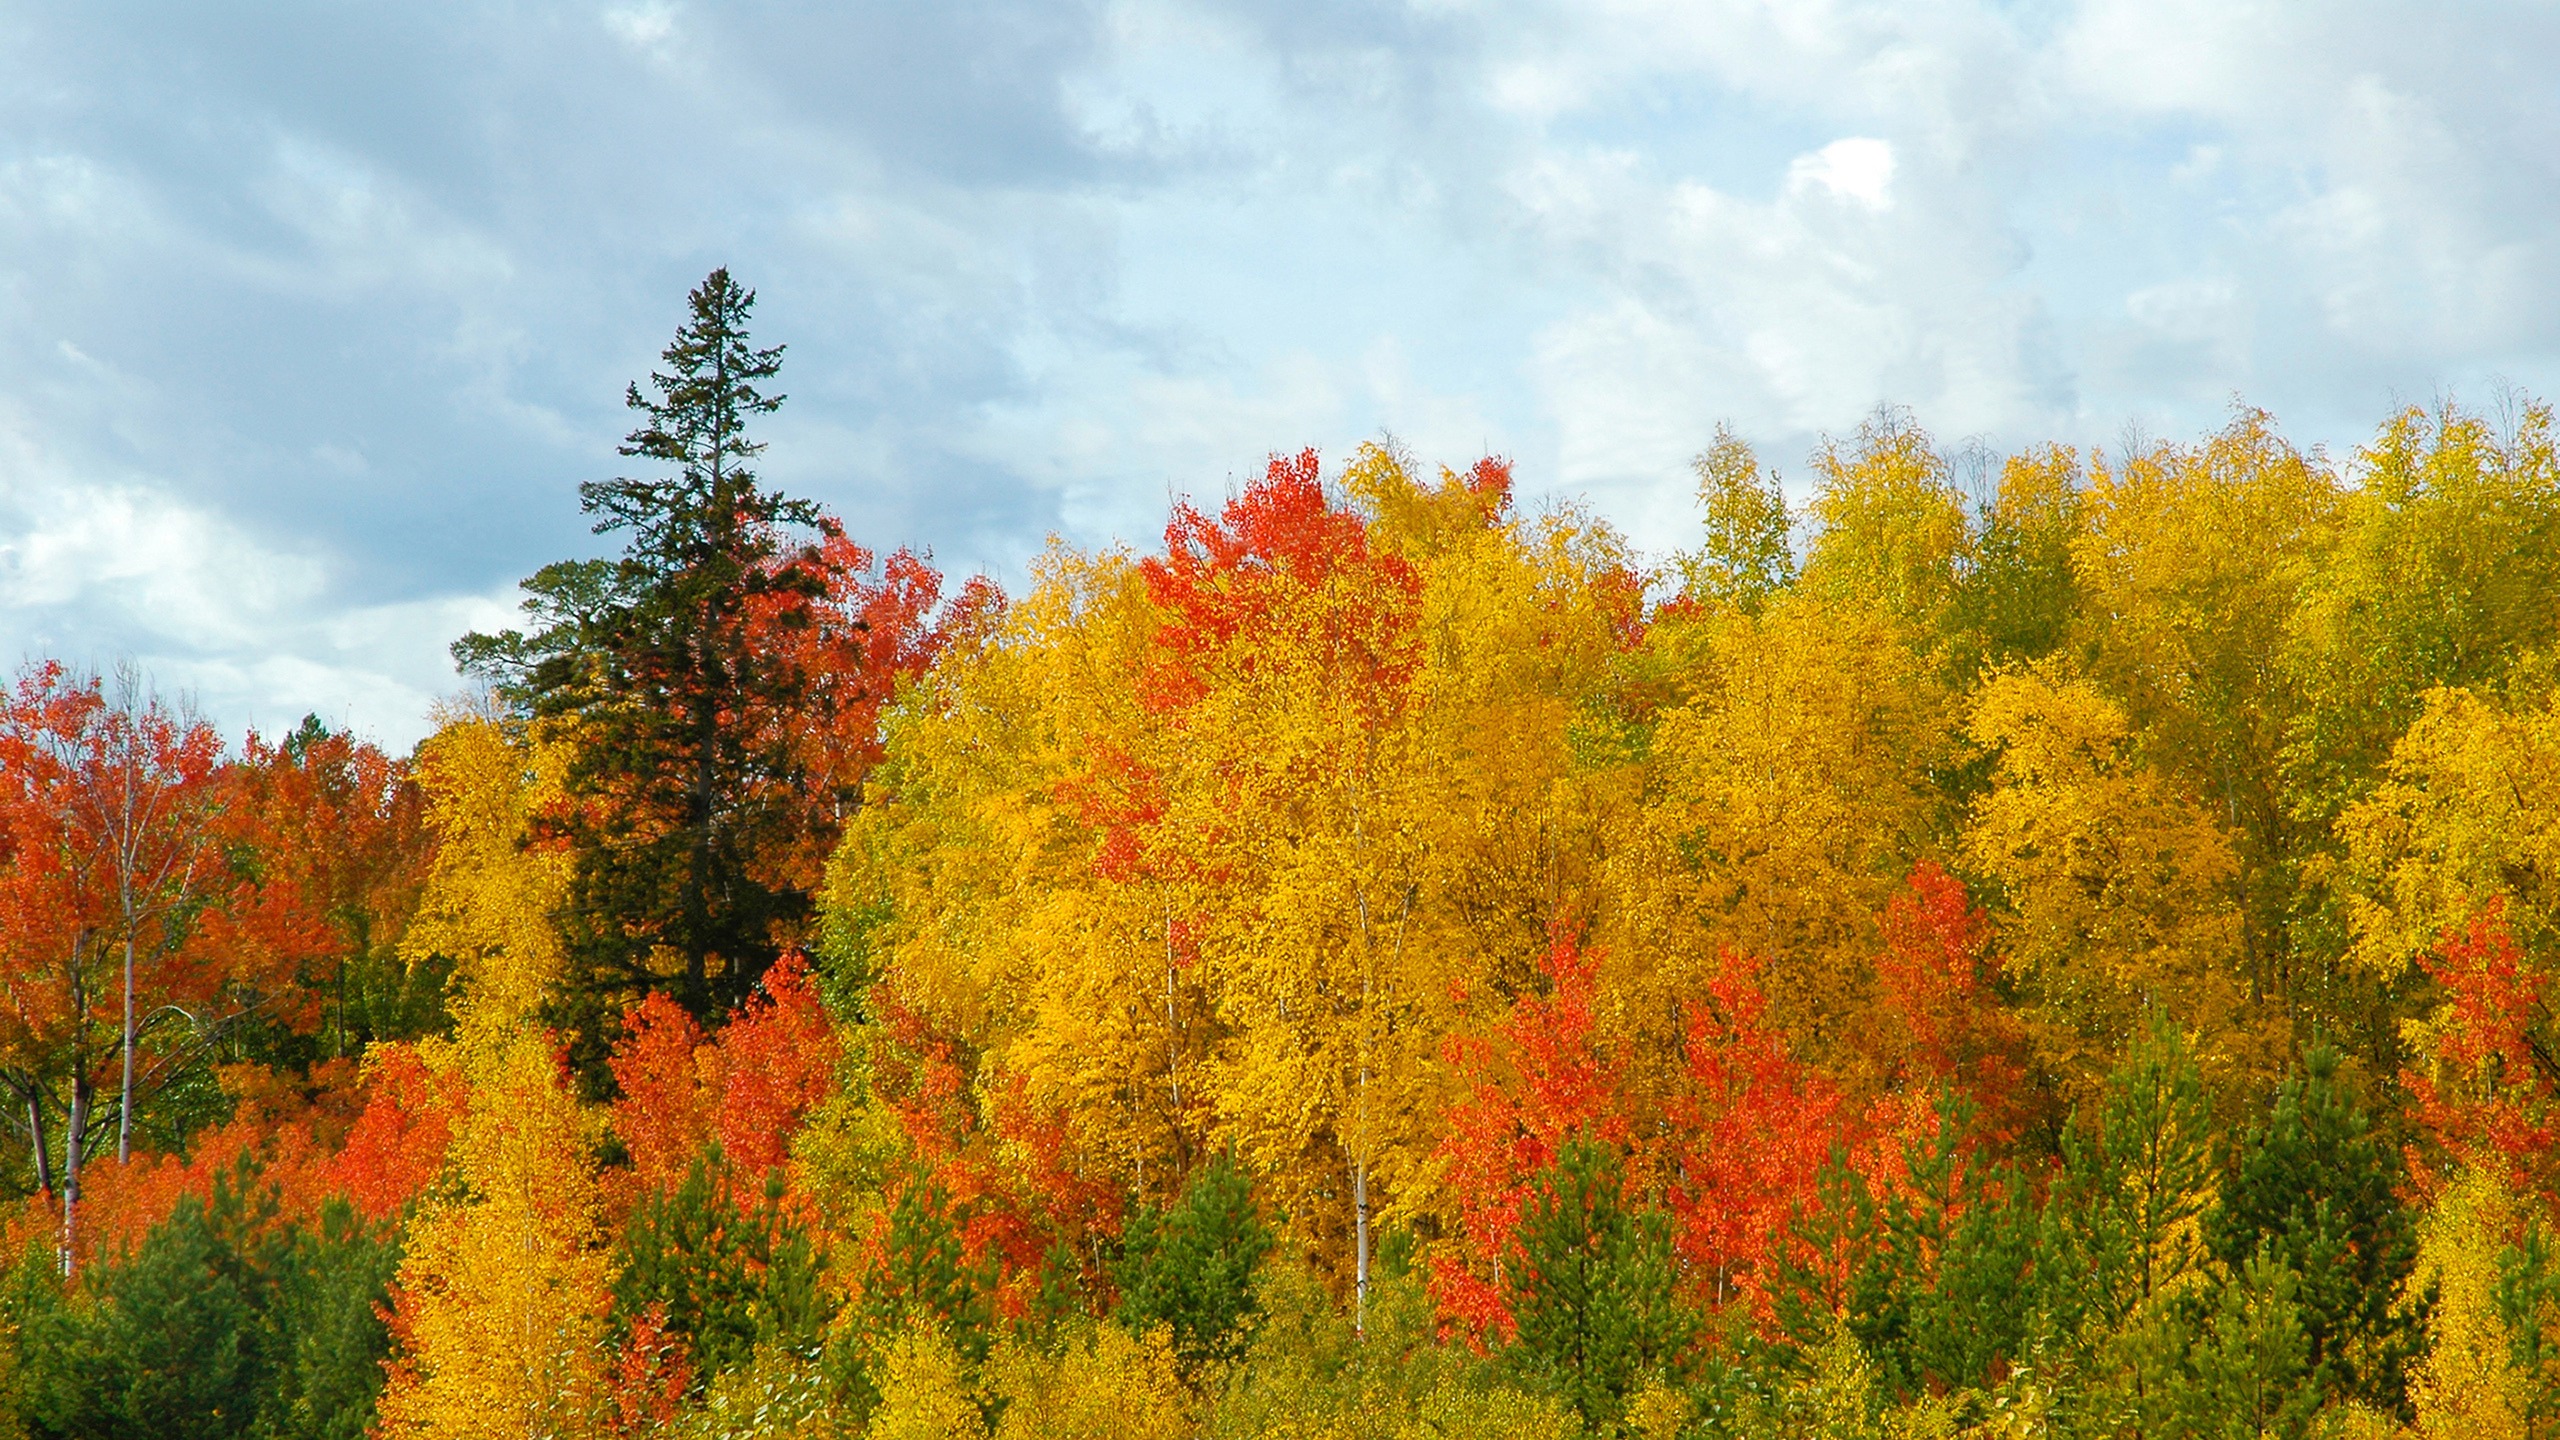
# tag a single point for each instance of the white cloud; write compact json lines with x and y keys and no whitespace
{"x":1857,"y":168}
{"x":100,"y":568}
{"x":307,"y":359}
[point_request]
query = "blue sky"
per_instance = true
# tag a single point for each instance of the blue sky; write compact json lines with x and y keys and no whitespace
{"x":313,"y":315}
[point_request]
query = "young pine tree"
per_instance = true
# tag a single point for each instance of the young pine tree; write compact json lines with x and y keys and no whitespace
{"x":2316,"y":1191}
{"x":728,"y":1276}
{"x":1192,"y":1268}
{"x":2120,"y":1227}
{"x":1592,"y":1290}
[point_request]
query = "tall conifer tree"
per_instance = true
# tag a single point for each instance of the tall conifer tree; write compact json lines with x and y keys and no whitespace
{"x":685,"y":787}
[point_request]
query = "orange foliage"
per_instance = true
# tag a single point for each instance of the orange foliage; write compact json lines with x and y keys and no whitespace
{"x":749,"y":1089}
{"x":1235,"y":577}
{"x":397,"y":1145}
{"x":336,"y":827}
{"x":1003,"y":1165}
{"x":2489,"y":1096}
{"x":1567,"y":1083}
{"x":1755,"y":1128}
{"x":1944,"y":1026}
{"x":651,"y":1374}
{"x":774,"y":1062}
{"x":665,"y":1112}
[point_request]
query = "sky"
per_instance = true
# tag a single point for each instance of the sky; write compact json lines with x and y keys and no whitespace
{"x":313,"y":315}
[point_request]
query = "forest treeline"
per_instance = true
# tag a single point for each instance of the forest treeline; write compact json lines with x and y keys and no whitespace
{"x":2062,"y":947}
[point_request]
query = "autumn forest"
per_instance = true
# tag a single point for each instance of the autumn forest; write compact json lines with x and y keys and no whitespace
{"x":2059,"y":944}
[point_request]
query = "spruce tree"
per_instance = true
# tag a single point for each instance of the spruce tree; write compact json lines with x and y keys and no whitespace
{"x":686,"y":790}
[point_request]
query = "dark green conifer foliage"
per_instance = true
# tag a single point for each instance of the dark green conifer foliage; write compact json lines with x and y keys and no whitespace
{"x":731,"y":1276}
{"x":1592,"y":1292}
{"x":1192,"y":1267}
{"x":2118,"y":1223}
{"x":924,"y":1273}
{"x":2316,"y":1191}
{"x":685,"y":788}
{"x":1939,"y":1298}
{"x":221,"y":1323}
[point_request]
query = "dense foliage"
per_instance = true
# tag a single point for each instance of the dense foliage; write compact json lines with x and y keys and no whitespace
{"x":2066,"y":951}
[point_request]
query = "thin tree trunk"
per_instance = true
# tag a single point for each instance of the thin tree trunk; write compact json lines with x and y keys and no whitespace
{"x":73,"y":1150}
{"x":35,"y":1140}
{"x":124,"y":1091}
{"x":1360,"y":1248}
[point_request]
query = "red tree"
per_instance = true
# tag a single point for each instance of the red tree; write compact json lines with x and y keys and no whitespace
{"x":106,"y":804}
{"x":1755,"y":1127}
{"x":1563,"y":1081}
{"x":2489,"y":1092}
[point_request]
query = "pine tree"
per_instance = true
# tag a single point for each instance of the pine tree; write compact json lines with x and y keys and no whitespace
{"x":1592,"y":1290}
{"x":724,"y":1276}
{"x":1948,"y":1251}
{"x":686,"y":786}
{"x":2119,"y":1230}
{"x":1192,"y":1268}
{"x":2316,"y":1191}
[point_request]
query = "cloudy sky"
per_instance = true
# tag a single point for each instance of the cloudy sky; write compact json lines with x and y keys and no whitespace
{"x":313,"y":315}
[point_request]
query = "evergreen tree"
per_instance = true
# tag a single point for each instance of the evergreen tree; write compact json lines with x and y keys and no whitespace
{"x":2316,"y":1191}
{"x":2119,"y":1225}
{"x":331,"y":1338}
{"x":2232,"y":1364}
{"x":223,"y":1322}
{"x":924,"y":1275}
{"x":731,"y":1276}
{"x":1192,"y":1267}
{"x":686,"y":789}
{"x":1592,"y":1292}
{"x":1949,"y":1254}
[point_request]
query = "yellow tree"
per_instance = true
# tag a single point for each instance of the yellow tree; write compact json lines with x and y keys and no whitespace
{"x":1786,"y":794}
{"x":2118,"y":887}
{"x":2469,"y":1385}
{"x":1211,"y":848}
{"x":2190,"y":574}
{"x":1891,"y":530}
{"x":1289,"y":670}
{"x":501,"y":1294}
{"x":2448,"y":554}
{"x":2468,"y":810}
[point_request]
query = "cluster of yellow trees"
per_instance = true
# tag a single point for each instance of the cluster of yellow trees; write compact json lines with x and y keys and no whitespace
{"x":1263,"y":847}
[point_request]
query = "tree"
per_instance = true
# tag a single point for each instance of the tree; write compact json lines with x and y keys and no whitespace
{"x":2190,"y":567}
{"x":2120,"y":1225}
{"x":686,"y":790}
{"x":1191,"y":1268}
{"x":2316,"y":1194}
{"x":1592,"y":1292}
{"x":2120,"y":888}
{"x":223,"y":1321}
{"x":1746,"y":557}
{"x":107,"y":808}
{"x":501,"y":1300}
{"x":717,"y":1272}
{"x":2486,"y":1087}
{"x":325,"y":835}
